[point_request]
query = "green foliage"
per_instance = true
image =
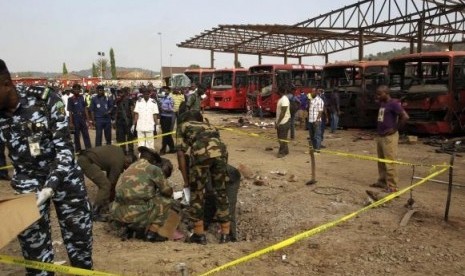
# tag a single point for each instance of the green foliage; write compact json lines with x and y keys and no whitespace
{"x":112,"y":64}
{"x":65,"y":70}
{"x":194,"y":66}
{"x":238,"y":64}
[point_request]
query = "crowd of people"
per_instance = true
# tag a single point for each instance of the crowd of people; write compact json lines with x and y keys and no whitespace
{"x":314,"y":111}
{"x":317,"y":110}
{"x":134,"y":194}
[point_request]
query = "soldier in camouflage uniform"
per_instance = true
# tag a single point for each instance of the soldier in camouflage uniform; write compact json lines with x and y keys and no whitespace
{"x":34,"y":126}
{"x":208,"y":160}
{"x":143,"y":196}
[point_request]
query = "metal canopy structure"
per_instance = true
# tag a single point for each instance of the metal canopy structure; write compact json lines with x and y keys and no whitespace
{"x":362,"y":23}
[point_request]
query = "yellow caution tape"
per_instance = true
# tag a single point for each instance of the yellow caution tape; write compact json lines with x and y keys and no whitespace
{"x":321,"y":228}
{"x":52,"y":267}
{"x":338,"y":153}
{"x":6,"y":167}
{"x":145,"y":138}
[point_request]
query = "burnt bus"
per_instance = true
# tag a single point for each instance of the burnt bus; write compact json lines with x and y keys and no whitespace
{"x":431,"y":87}
{"x":356,"y":83}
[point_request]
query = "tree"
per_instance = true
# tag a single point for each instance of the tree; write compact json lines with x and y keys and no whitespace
{"x":194,"y":66}
{"x":65,"y":71}
{"x":238,"y":64}
{"x":112,"y":64}
{"x":94,"y":70}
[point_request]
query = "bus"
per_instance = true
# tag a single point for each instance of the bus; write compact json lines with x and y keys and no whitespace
{"x":202,"y":77}
{"x":264,"y":80}
{"x":431,"y":87}
{"x":356,"y":83}
{"x":229,"y":89}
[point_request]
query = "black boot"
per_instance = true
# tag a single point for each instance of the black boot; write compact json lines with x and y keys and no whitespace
{"x":99,"y":214}
{"x":154,"y":237}
{"x":197,"y":238}
{"x":232,"y":237}
{"x":225,"y":238}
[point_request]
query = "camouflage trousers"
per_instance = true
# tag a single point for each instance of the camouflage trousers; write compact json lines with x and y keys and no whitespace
{"x":74,"y":216}
{"x":139,"y":215}
{"x":233,"y":181}
{"x":200,"y":175}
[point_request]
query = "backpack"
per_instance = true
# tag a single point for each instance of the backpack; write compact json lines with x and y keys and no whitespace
{"x":294,"y":104}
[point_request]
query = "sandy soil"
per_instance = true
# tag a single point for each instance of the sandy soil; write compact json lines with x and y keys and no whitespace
{"x":372,"y":243}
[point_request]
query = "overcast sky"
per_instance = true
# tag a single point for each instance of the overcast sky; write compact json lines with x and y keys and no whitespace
{"x":41,"y":35}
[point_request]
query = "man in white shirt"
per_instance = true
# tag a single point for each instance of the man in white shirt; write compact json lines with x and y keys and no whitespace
{"x":64,"y":98}
{"x":145,"y":118}
{"x":315,"y":112}
{"x":283,"y":123}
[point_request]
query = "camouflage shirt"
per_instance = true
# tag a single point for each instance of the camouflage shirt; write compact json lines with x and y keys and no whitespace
{"x":140,"y":182}
{"x":38,"y":140}
{"x":202,"y":141}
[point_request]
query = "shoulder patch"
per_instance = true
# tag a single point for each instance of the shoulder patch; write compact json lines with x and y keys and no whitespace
{"x":60,"y":107}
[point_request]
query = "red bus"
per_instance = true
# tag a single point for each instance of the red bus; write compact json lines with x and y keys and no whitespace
{"x":229,"y":89}
{"x":356,"y":82}
{"x":29,"y":81}
{"x":431,"y":87}
{"x":202,"y":77}
{"x":264,"y":81}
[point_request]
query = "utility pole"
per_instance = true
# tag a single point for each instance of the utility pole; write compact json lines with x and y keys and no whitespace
{"x":161,"y":59}
{"x":102,"y":55}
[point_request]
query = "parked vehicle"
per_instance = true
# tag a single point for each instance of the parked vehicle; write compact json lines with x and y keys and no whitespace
{"x":264,"y":81}
{"x":431,"y":87}
{"x":356,"y":82}
{"x":229,"y":89}
{"x":203,"y":79}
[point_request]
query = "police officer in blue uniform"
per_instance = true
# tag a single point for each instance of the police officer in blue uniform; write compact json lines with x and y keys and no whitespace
{"x":101,"y":107}
{"x":77,"y":108}
{"x":34,"y":126}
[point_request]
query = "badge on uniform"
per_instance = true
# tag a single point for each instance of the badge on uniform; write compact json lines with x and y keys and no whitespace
{"x":60,"y":106}
{"x":34,"y":146}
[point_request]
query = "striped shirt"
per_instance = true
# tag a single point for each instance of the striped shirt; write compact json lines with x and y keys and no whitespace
{"x":316,"y":106}
{"x":178,"y":99}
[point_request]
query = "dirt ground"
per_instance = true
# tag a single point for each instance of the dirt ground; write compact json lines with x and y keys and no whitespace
{"x":372,"y":243}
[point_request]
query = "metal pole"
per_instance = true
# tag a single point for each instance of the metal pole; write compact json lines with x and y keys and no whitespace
{"x":161,"y":59}
{"x":449,"y":190}
{"x":102,"y":55}
{"x":171,"y":68}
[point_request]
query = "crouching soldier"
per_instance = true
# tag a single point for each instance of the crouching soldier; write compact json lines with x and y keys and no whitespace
{"x":233,"y":180}
{"x":103,"y":165}
{"x":143,"y":197}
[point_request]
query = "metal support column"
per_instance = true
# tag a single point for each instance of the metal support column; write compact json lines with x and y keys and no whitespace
{"x":212,"y":59}
{"x":360,"y":45}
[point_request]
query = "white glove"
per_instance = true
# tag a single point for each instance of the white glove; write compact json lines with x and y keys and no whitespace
{"x":133,"y":128}
{"x":186,"y":197}
{"x":177,"y":195}
{"x":43,"y":195}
